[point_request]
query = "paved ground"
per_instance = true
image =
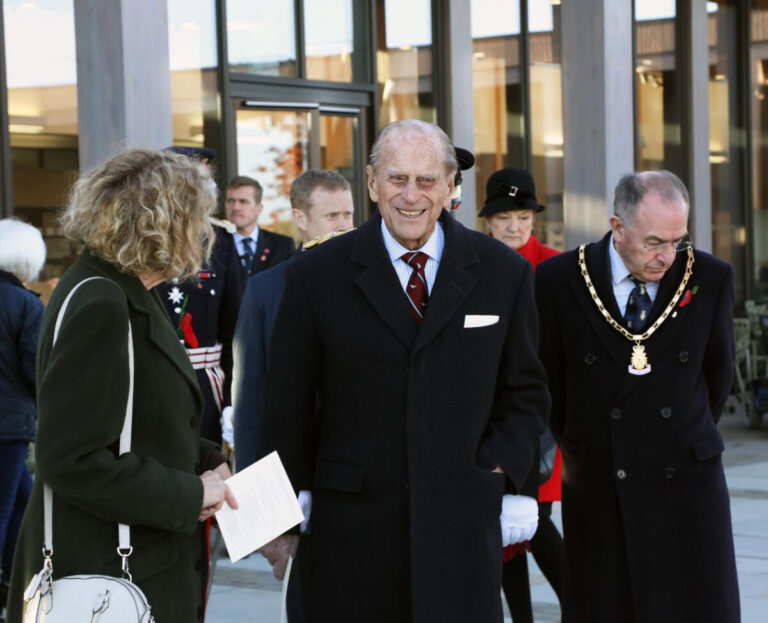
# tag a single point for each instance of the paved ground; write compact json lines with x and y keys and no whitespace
{"x":248,"y":592}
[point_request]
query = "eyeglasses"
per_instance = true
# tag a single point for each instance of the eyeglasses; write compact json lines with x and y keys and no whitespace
{"x":682,"y":244}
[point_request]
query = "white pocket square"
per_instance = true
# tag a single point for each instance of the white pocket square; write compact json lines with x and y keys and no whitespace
{"x":472,"y":321}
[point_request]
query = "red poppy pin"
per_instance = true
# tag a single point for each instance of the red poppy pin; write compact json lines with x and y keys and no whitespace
{"x":688,"y":295}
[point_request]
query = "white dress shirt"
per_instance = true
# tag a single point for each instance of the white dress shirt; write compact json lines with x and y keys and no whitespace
{"x":432,"y":247}
{"x":622,"y":284}
{"x":254,"y":235}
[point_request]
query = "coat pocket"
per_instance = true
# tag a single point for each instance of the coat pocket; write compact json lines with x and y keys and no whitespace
{"x":339,"y":476}
{"x":708,"y":446}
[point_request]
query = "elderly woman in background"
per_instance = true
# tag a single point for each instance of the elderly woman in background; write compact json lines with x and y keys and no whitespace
{"x":22,"y":254}
{"x":142,"y":218}
{"x":509,"y":210}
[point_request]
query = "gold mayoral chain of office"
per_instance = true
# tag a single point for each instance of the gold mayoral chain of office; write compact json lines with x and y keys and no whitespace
{"x":639,"y":361}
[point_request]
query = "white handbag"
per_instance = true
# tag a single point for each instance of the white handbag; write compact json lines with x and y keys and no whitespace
{"x":87,"y":598}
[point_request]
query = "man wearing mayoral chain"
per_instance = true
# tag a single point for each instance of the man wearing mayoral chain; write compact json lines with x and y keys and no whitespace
{"x":636,"y":337}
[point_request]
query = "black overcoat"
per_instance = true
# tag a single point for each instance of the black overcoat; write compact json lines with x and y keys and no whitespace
{"x":82,"y":390}
{"x":405,"y":515}
{"x":646,"y":512}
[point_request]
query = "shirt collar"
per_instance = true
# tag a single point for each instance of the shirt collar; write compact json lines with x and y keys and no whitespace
{"x":619,"y":271}
{"x":254,"y":235}
{"x":433,"y":247}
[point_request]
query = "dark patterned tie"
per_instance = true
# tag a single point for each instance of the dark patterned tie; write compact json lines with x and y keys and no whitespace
{"x":417,"y":284}
{"x":247,"y":257}
{"x":638,"y":306}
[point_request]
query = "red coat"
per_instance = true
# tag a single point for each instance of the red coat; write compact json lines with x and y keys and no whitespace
{"x":535,"y":252}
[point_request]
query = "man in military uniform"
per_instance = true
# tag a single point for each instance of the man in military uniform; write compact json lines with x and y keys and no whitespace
{"x":204,"y":312}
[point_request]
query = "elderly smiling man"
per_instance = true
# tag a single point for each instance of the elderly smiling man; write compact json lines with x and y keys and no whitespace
{"x":405,"y":392}
{"x":637,"y":340}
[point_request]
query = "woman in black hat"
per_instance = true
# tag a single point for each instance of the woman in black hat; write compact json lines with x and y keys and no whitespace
{"x":510,"y":208}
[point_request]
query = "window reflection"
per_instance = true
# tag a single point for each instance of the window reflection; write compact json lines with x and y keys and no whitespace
{"x":726,"y":143}
{"x":759,"y":103}
{"x":193,"y":59}
{"x":261,"y":37}
{"x":272,"y":147}
{"x":404,"y":60}
{"x":42,"y":107}
{"x":546,"y":97}
{"x":337,"y":148}
{"x":328,"y":39}
{"x":657,"y":87}
{"x":498,"y":93}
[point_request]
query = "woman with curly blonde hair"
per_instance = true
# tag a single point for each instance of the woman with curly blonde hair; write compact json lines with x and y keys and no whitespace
{"x":142,"y":218}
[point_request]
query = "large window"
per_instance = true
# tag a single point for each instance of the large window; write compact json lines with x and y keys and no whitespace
{"x":758,"y":97}
{"x":504,"y":88}
{"x":727,"y":148}
{"x":193,"y":57}
{"x":657,"y":86}
{"x":42,"y":107}
{"x":404,"y":59}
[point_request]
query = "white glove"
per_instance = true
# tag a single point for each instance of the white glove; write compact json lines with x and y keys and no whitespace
{"x":519,"y":519}
{"x":227,"y":426}
{"x":305,"y":501}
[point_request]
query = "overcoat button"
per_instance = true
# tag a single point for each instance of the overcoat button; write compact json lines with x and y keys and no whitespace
{"x":615,"y":413}
{"x":177,"y":522}
{"x":621,"y":474}
{"x":683,"y":356}
{"x":589,"y":359}
{"x":669,"y":472}
{"x":666,"y":413}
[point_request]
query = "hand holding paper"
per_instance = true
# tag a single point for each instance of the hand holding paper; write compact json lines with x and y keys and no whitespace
{"x":267,"y":507}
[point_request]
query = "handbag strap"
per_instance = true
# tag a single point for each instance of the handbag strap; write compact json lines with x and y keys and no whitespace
{"x":124,"y":531}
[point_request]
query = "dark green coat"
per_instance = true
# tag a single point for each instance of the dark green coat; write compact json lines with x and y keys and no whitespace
{"x":82,"y":389}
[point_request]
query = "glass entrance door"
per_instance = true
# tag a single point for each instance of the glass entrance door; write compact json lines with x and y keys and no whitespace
{"x":276,"y":142}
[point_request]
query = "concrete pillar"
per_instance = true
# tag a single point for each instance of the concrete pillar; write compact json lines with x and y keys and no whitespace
{"x":697,"y":116}
{"x":598,"y":118}
{"x":460,"y":126}
{"x":123,"y":77}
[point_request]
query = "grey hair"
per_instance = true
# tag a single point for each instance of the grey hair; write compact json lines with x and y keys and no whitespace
{"x":416,"y":126}
{"x":22,"y":250}
{"x":633,"y":187}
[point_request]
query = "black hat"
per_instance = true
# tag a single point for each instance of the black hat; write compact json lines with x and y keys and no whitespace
{"x":465,"y":159}
{"x":203,"y":154}
{"x":510,"y":189}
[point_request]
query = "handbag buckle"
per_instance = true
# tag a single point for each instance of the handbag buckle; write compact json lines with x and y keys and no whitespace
{"x":124,"y":552}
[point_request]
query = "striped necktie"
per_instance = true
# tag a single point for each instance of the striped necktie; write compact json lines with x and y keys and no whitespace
{"x":417,"y":284}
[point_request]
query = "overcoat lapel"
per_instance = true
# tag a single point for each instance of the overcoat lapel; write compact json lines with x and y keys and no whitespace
{"x":596,"y":256}
{"x":379,"y":283}
{"x":452,"y":284}
{"x":148,"y":304}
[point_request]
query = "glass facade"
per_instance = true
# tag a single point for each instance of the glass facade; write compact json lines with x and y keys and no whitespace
{"x":727,"y":147}
{"x":758,"y":99}
{"x":658,"y":137}
{"x":42,"y":110}
{"x":261,"y":38}
{"x":404,"y":60}
{"x":194,"y":64}
{"x":329,"y":39}
{"x":326,"y":75}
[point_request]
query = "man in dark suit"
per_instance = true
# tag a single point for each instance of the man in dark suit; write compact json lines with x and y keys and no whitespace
{"x":404,"y":390}
{"x":258,"y":248}
{"x":637,"y":340}
{"x":321,"y":204}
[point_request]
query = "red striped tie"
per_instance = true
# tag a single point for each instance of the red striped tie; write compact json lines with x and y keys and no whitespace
{"x":417,"y":284}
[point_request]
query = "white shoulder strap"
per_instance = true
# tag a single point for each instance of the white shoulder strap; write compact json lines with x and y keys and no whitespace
{"x":124,"y":535}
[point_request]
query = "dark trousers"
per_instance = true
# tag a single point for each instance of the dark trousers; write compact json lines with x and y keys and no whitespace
{"x":14,"y":493}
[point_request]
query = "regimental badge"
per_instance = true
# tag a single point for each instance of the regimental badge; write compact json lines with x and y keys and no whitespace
{"x":639,"y":362}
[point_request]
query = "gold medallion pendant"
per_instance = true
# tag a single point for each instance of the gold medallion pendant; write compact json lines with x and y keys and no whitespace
{"x":639,"y":365}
